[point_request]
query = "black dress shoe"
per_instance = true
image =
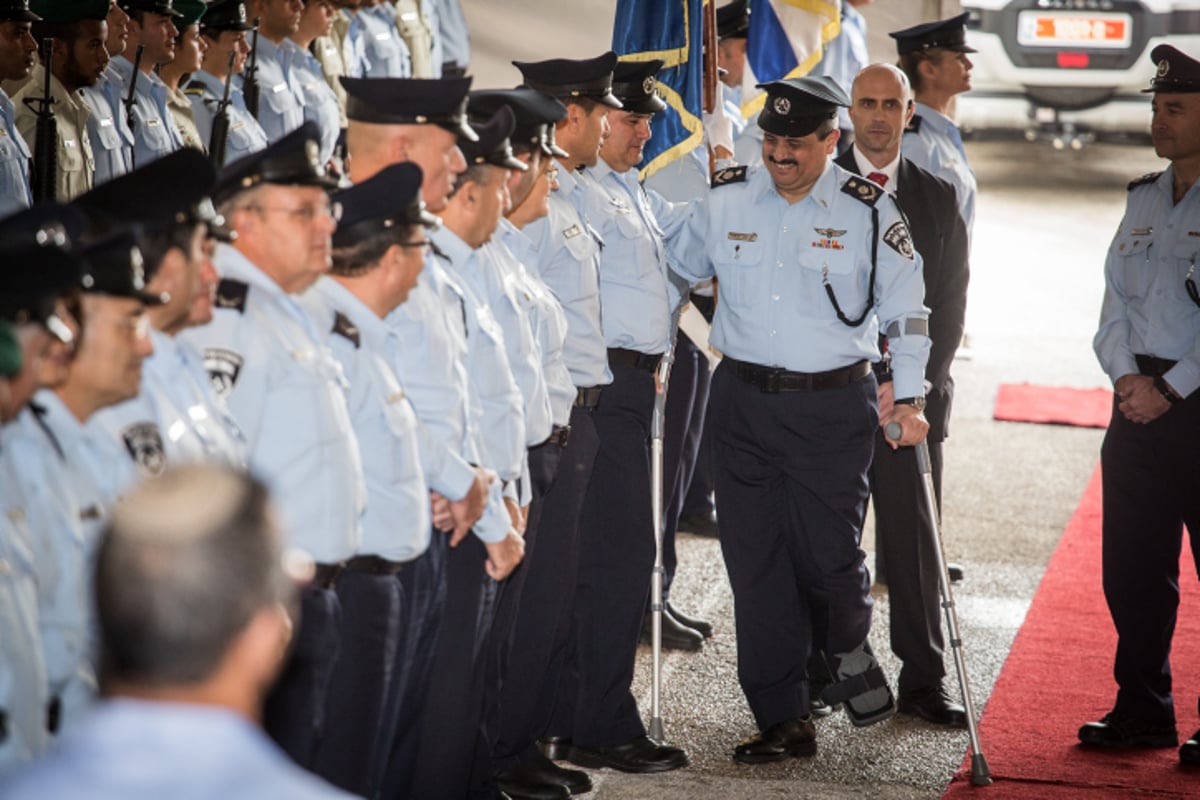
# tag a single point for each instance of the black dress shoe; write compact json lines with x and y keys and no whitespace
{"x":642,"y":755}
{"x":1189,"y":751}
{"x":702,"y":627}
{"x":793,"y":738}
{"x":700,"y":524}
{"x":554,"y":748}
{"x":576,"y":780}
{"x":675,"y":636}
{"x":955,"y":572}
{"x":933,"y":705}
{"x":521,"y":783}
{"x":1119,"y":730}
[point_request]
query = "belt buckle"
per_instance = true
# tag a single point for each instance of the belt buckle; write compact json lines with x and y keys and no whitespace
{"x":771,"y":384}
{"x":564,"y":436}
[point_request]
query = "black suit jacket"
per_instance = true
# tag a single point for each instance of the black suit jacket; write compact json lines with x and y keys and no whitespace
{"x":940,"y":236}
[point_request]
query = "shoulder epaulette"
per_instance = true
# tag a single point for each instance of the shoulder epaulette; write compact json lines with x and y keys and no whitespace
{"x":914,"y":124}
{"x":862,"y":189}
{"x":342,"y":326}
{"x":232,"y":294}
{"x":1149,"y":177}
{"x":729,"y":175}
{"x":195,"y":87}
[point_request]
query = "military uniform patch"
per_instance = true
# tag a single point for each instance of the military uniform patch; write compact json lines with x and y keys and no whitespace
{"x":862,"y":189}
{"x":729,"y":175}
{"x":232,"y":294}
{"x":1149,"y":177}
{"x":342,"y":326}
{"x":145,"y":445}
{"x":898,"y":239}
{"x":223,"y":367}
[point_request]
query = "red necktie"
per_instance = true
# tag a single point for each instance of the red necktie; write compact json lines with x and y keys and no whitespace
{"x":878,"y":177}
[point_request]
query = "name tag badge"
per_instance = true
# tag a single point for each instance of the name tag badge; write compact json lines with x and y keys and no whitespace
{"x":279,"y":87}
{"x":106,"y":123}
{"x":153,"y":122}
{"x":743,"y":237}
{"x":572,"y":232}
{"x":382,"y":37}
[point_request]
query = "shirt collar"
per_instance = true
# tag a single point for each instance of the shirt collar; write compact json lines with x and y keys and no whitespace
{"x":865,"y":167}
{"x":458,"y":251}
{"x":822,"y":190}
{"x":338,"y":298}
{"x":231,"y":263}
{"x":932,"y":116}
{"x":568,"y":180}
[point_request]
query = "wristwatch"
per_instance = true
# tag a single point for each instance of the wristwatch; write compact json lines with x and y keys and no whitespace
{"x":916,"y":402}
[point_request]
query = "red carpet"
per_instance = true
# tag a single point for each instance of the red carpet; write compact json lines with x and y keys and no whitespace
{"x":1060,"y":405}
{"x":1059,"y":675}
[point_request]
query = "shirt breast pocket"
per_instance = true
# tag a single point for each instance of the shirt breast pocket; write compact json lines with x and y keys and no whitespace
{"x":736,"y":261}
{"x":107,"y":138}
{"x":155,"y":133}
{"x":1133,"y":254}
{"x":70,"y":155}
{"x":838,"y":266}
{"x":279,"y":98}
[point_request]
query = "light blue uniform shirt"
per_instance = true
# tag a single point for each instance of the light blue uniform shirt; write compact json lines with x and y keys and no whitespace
{"x":936,"y":146}
{"x":137,"y":749}
{"x":635,"y":292}
{"x":15,"y":194}
{"x":155,"y":134}
{"x":354,"y":45}
{"x":431,"y":359}
{"x":176,"y":417}
{"x":496,"y":402}
{"x":280,"y":101}
{"x":397,"y":522}
{"x":320,"y":103}
{"x":770,"y":257}
{"x":387,"y":54}
{"x":288,"y":396}
{"x":496,"y":277}
{"x":24,"y":690}
{"x":205,"y":92}
{"x":546,"y":318}
{"x":1146,"y":308}
{"x":565,"y":253}
{"x":453,"y":34}
{"x":108,"y":130}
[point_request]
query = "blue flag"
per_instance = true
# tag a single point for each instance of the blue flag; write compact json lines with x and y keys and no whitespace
{"x":671,"y":30}
{"x":787,"y":39}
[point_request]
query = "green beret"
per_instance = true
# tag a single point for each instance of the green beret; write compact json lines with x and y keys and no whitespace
{"x":10,"y":350}
{"x":69,"y":10}
{"x":192,"y":11}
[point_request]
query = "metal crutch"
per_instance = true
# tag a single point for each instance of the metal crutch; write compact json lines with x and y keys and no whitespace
{"x":980,"y":775}
{"x":657,"y":426}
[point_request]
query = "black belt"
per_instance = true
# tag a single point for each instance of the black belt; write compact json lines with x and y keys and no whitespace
{"x":588,"y":397}
{"x":773,"y":379}
{"x":559,"y":435}
{"x":632,"y":359}
{"x":1153,"y":366}
{"x":326,"y":575}
{"x":375,"y":565}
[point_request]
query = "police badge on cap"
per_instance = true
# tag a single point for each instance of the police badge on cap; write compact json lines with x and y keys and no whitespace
{"x":797,"y":106}
{"x":1177,"y":71}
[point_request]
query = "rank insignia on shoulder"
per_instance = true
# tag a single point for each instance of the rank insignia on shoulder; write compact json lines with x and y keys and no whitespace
{"x":730,"y":175}
{"x":223,"y":367}
{"x":145,"y":446}
{"x":743,"y":237}
{"x":232,"y":294}
{"x":898,"y":239}
{"x":195,"y":90}
{"x":914,"y":124}
{"x":1149,"y":177}
{"x":862,"y":189}
{"x":342,"y":326}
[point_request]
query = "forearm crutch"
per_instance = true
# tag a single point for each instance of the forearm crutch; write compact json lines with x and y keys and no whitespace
{"x":657,"y":427}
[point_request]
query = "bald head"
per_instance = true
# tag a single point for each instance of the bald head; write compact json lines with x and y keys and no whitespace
{"x":373,"y":146}
{"x":881,"y":106}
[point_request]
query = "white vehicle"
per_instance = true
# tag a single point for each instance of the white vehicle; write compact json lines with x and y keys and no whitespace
{"x":1069,"y":69}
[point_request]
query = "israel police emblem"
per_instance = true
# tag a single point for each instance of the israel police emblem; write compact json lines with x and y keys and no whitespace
{"x":1164,"y":67}
{"x":223,"y":367}
{"x":145,"y":445}
{"x":782,"y":106}
{"x":898,"y":239}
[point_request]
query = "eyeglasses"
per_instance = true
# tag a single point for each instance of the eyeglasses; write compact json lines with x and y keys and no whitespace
{"x":307,"y":214}
{"x":423,"y":245}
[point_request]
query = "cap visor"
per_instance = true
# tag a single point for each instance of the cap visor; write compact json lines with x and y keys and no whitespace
{"x":555,"y":150}
{"x":58,"y":329}
{"x":610,"y":100}
{"x":430,"y":220}
{"x":461,"y":129}
{"x":512,"y":162}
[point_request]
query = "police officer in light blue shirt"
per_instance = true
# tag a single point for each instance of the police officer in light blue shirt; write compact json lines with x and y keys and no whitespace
{"x":152,"y":27}
{"x":934,"y":57}
{"x":14,"y":150}
{"x":812,"y":264}
{"x":107,"y":126}
{"x":386,"y":53}
{"x":280,"y":99}
{"x":320,"y":103}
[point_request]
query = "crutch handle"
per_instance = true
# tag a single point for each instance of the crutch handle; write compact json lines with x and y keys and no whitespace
{"x":893,"y":431}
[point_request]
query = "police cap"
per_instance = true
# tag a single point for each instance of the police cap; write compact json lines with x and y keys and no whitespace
{"x":733,"y":20}
{"x":410,"y":101}
{"x":41,"y":266}
{"x":17,"y":11}
{"x":567,"y":78}
{"x":173,"y":190}
{"x":635,"y":86}
{"x":191,"y":11}
{"x":797,"y":106}
{"x":113,"y":265}
{"x":1177,"y":71}
{"x":391,"y":197}
{"x":226,"y":15}
{"x":294,"y":160}
{"x":164,"y":7}
{"x":946,"y":34}
{"x":532,"y":112}
{"x":69,"y":10}
{"x":493,"y":146}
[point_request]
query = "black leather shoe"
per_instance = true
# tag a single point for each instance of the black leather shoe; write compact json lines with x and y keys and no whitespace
{"x":642,"y":755}
{"x":675,"y":636}
{"x":699,"y":525}
{"x":793,"y":738}
{"x":1189,"y":751}
{"x":933,"y":705}
{"x":700,"y":626}
{"x":555,"y":748}
{"x":523,"y":783}
{"x":1118,"y":730}
{"x":955,"y":572}
{"x":576,"y":780}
